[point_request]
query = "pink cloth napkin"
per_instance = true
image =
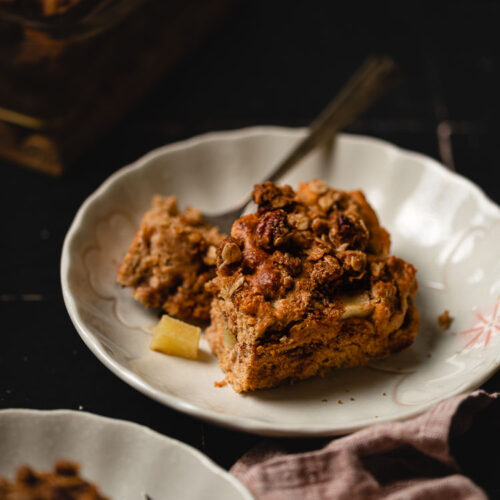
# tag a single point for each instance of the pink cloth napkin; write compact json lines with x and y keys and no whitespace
{"x":403,"y":460}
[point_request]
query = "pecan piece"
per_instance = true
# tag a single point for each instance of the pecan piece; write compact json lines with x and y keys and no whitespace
{"x":272,"y":231}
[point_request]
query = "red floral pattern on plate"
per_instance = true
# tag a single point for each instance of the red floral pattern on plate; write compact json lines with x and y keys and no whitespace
{"x":486,"y":327}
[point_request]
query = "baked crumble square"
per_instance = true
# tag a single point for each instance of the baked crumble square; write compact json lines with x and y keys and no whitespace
{"x":306,"y":284}
{"x":170,"y":260}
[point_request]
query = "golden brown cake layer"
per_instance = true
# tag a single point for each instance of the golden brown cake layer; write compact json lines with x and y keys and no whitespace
{"x":305,"y":284}
{"x":171,"y":259}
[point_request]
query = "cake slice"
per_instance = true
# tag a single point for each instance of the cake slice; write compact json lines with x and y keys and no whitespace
{"x":170,"y":260}
{"x":306,"y":284}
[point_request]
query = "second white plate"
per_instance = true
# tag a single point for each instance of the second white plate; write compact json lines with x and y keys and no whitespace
{"x":439,"y":221}
{"x":125,"y":460}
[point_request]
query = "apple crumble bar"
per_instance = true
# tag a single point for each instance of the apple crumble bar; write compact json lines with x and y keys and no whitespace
{"x":64,"y":483}
{"x":170,"y":260}
{"x":306,"y":284}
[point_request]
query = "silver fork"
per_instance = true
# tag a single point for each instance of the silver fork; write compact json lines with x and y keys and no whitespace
{"x":375,"y":77}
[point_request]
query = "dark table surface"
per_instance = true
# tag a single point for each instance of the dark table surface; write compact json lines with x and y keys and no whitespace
{"x":270,"y":63}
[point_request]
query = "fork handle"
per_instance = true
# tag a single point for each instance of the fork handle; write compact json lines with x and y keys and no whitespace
{"x":376,"y":76}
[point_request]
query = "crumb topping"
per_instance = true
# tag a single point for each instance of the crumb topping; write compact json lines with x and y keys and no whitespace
{"x":303,"y":251}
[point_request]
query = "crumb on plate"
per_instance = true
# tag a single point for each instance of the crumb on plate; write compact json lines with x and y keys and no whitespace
{"x":444,"y":320}
{"x":220,"y":383}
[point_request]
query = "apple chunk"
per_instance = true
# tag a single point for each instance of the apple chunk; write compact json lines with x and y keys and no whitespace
{"x":174,"y":337}
{"x":356,"y":306}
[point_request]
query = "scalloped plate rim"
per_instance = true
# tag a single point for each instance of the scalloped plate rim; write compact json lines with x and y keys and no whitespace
{"x":127,"y":425}
{"x":240,"y":423}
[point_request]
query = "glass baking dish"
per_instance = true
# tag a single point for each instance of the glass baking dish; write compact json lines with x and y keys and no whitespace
{"x":68,"y":77}
{"x":79,"y":19}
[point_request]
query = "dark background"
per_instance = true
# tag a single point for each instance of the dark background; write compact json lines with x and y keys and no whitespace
{"x":272,"y":62}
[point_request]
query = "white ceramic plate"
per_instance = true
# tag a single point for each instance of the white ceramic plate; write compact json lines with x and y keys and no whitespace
{"x":438,"y":220}
{"x":123,"y":459}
